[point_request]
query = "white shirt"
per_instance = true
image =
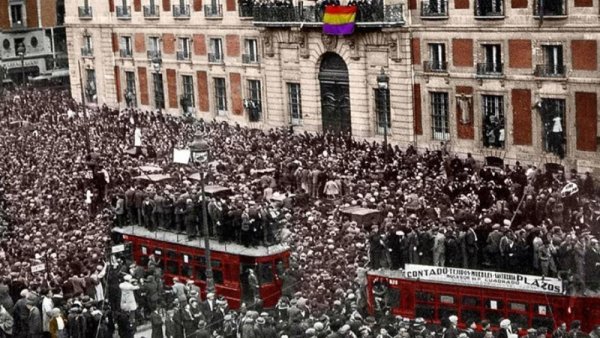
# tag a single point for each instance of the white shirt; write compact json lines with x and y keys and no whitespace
{"x":557,"y":127}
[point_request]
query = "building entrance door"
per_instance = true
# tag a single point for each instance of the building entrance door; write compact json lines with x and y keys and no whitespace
{"x":335,"y":94}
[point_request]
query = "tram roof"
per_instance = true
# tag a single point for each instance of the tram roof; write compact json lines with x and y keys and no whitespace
{"x":181,"y":239}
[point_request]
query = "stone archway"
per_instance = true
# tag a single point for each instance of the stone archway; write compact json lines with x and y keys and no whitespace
{"x":335,"y":94}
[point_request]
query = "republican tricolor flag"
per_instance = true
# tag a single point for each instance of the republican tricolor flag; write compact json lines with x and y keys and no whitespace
{"x":339,"y":20}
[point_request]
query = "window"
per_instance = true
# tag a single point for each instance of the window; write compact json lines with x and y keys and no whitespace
{"x":253,"y":103}
{"x":18,"y":43}
{"x":383,"y":118}
{"x":492,"y":57}
{"x":172,"y":267}
{"x":470,"y":315}
{"x":126,"y":46}
{"x":90,"y":86}
{"x":159,"y":96}
{"x":549,"y":7}
{"x":437,"y":58}
{"x":220,"y":95}
{"x":187,"y":271}
{"x":184,"y":49}
{"x":446,"y":299}
{"x":425,"y":311}
{"x":493,"y":311}
{"x":470,"y":301}
{"x":553,"y":122}
{"x":154,"y":45}
{"x":439,"y":116}
{"x":434,"y":8}
{"x":16,"y":15}
{"x":265,"y":273}
{"x":493,"y":121}
{"x":294,"y":103}
{"x":87,"y":49}
{"x":422,"y":296}
{"x":187,"y":83}
{"x":130,"y":93}
{"x":489,"y":8}
{"x":553,"y":61}
{"x":216,"y":50}
{"x":250,"y":51}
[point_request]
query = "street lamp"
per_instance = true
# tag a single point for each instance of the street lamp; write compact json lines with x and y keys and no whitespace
{"x":199,"y":151}
{"x":383,"y":81}
{"x":21,"y":53}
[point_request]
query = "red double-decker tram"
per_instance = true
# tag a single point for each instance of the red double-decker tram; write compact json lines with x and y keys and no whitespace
{"x":183,"y":258}
{"x":435,"y":293}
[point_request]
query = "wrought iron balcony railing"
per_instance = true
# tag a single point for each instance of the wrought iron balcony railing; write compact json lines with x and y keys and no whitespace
{"x":182,"y":12}
{"x":368,"y":15}
{"x":550,"y":8}
{"x":213,"y":11}
{"x":87,"y":51}
{"x":435,"y":67}
{"x":125,"y":53}
{"x":490,"y":68}
{"x":85,"y":12}
{"x":151,"y":11}
{"x":182,"y":56}
{"x":489,"y":9}
{"x":250,"y":58}
{"x":215,"y":58}
{"x":434,"y":9}
{"x":546,"y":70}
{"x":154,"y":54}
{"x":124,"y":12}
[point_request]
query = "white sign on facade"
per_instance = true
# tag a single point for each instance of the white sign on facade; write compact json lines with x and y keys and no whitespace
{"x":488,"y":279}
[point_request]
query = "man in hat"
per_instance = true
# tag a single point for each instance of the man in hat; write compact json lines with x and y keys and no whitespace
{"x":34,"y":320}
{"x":20,"y":315}
{"x":452,"y":330}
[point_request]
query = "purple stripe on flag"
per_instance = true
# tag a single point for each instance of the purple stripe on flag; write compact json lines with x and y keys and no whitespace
{"x":345,"y":29}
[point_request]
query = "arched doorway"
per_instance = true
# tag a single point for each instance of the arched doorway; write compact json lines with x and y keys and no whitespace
{"x":335,"y":94}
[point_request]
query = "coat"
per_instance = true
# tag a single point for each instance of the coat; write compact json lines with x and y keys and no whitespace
{"x":53,"y":327}
{"x":157,"y":325}
{"x":128,"y":302}
{"x":34,"y":324}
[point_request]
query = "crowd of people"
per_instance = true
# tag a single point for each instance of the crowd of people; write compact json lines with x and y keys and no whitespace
{"x":68,"y":176}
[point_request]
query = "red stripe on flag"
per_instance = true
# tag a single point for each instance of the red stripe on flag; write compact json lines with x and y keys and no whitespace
{"x":340,"y":9}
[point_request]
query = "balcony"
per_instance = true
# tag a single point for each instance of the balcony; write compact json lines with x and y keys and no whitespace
{"x":545,"y":70}
{"x":183,"y":56}
{"x":85,"y":12}
{"x":181,"y":12}
{"x":434,"y":9}
{"x":489,"y":69}
{"x":215,"y":11}
{"x":124,"y":12}
{"x":215,"y":58}
{"x":552,"y":9}
{"x":367,"y":16}
{"x":245,"y":9}
{"x":125,"y":53}
{"x":250,"y":58}
{"x":151,"y":12}
{"x":435,"y":67}
{"x":154,"y":54}
{"x":87,"y":52}
{"x":489,"y":9}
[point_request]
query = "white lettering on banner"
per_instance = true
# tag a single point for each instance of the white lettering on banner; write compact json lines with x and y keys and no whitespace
{"x":488,"y":279}
{"x":118,"y":248}
{"x":38,"y":268}
{"x":17,"y":64}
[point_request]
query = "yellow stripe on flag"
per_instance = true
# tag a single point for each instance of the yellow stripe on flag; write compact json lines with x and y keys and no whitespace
{"x":338,"y":19}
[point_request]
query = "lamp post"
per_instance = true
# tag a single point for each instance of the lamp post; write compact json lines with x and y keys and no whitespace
{"x":21,"y":53}
{"x":383,"y":81}
{"x":199,"y":152}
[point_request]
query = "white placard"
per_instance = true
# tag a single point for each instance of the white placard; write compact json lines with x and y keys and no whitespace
{"x":181,"y":156}
{"x":542,"y":310}
{"x":38,"y":268}
{"x":185,"y":259}
{"x":144,"y":250}
{"x":137,"y":137}
{"x":480,"y":278}
{"x":118,"y":248}
{"x":493,"y":305}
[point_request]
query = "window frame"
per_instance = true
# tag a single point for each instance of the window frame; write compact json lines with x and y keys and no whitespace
{"x":493,"y":104}
{"x":251,"y":50}
{"x":295,"y":102}
{"x":220,"y":95}
{"x":440,"y":115}
{"x":187,"y":89}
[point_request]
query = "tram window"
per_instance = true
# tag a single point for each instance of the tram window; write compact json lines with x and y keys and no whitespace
{"x":445,"y":312}
{"x":201,"y":260}
{"x":425,"y":311}
{"x":493,"y":304}
{"x":392,"y":298}
{"x":470,"y":301}
{"x":494,"y":317}
{"x":144,"y":260}
{"x":218,"y":276}
{"x":470,"y":315}
{"x":172,"y":254}
{"x":424,"y":297}
{"x":265,"y":273}
{"x":446,"y":299}
{"x":542,"y":321}
{"x":173,"y":267}
{"x":187,"y":271}
{"x":201,"y":273}
{"x":215,"y":263}
{"x":518,"y":306}
{"x":519,"y":319}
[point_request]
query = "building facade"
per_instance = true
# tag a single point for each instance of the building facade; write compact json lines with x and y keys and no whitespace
{"x":505,"y":78}
{"x":37,"y":27}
